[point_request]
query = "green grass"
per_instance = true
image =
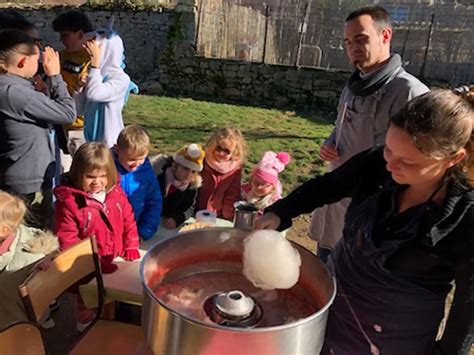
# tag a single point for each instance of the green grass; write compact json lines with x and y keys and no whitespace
{"x":173,"y":122}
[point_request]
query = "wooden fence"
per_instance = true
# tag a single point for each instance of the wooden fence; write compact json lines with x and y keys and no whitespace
{"x":435,"y":42}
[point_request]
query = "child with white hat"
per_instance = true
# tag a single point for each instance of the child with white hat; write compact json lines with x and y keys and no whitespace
{"x":179,"y":180}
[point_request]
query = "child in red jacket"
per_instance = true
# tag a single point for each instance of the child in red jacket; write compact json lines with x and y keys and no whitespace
{"x":91,"y":202}
{"x":226,"y":151}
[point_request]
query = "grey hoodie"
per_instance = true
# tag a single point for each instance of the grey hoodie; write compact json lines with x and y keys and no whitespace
{"x":26,"y":116}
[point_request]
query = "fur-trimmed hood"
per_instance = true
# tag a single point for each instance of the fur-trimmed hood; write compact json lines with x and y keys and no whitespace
{"x":161,"y":162}
{"x":29,"y":246}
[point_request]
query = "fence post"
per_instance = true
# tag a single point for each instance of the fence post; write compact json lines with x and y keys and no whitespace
{"x":406,"y":40}
{"x":198,"y":25}
{"x":265,"y":33}
{"x":428,"y":43}
{"x":304,"y":25}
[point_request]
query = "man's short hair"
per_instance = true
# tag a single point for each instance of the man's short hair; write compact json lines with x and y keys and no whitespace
{"x":72,"y":21}
{"x":135,"y":139}
{"x":378,"y":14}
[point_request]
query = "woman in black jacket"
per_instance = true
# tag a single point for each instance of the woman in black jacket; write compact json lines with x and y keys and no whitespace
{"x":408,"y":233}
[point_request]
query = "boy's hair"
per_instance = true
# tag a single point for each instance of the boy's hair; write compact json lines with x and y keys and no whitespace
{"x":135,"y":139}
{"x":234,"y":135}
{"x":12,"y":210}
{"x":72,"y":21}
{"x":91,"y":156}
{"x":380,"y":16}
{"x":11,"y":42}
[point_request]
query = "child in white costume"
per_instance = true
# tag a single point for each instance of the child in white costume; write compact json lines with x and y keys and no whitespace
{"x":105,"y":90}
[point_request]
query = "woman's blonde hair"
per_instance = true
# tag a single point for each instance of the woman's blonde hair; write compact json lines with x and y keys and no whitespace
{"x":89,"y":157}
{"x":12,"y":210}
{"x":441,"y":123}
{"x":234,"y":135}
{"x":14,"y":42}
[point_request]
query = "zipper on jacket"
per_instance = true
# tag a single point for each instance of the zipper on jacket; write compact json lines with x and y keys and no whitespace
{"x":88,"y":222}
{"x":120,"y":209}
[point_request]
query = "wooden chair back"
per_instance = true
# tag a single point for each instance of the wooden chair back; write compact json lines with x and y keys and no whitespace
{"x":21,"y":338}
{"x":67,"y":268}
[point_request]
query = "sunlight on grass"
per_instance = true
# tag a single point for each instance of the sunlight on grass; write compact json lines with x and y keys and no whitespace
{"x":173,"y":122}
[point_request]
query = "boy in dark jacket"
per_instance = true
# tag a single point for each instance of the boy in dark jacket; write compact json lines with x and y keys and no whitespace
{"x":179,"y":181}
{"x":137,"y":178}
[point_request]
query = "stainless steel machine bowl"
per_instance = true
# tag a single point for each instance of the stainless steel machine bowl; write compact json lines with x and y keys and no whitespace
{"x":197,"y":301}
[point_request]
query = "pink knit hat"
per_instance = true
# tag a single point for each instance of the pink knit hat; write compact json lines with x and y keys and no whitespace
{"x":270,"y":166}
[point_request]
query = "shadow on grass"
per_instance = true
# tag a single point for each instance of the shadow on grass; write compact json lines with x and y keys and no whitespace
{"x":311,"y":114}
{"x":249,"y":134}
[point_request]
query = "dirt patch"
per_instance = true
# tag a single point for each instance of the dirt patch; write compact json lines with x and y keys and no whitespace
{"x":299,"y":233}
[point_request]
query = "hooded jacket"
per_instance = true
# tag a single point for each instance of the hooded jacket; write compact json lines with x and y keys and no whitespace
{"x":26,"y":116}
{"x":143,"y":192}
{"x":103,"y":97}
{"x":29,"y":247}
{"x":78,"y":216}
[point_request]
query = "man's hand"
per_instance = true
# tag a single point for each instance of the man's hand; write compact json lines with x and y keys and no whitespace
{"x":328,"y":152}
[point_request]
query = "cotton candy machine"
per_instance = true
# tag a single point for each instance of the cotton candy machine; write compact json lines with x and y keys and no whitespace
{"x":198,"y":302}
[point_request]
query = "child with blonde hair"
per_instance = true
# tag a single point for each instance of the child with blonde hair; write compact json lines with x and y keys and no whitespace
{"x":179,"y":181}
{"x":21,"y":248}
{"x":264,"y":187}
{"x":226,"y":151}
{"x":90,"y":202}
{"x":137,"y":178}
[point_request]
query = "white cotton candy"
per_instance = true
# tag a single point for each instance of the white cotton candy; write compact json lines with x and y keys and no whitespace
{"x":270,"y":261}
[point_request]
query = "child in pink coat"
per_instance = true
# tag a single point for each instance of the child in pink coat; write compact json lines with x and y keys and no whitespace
{"x":90,"y":202}
{"x":226,"y":151}
{"x":264,"y":187}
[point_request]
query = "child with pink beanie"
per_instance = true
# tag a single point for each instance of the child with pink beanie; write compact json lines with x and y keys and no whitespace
{"x":264,"y":187}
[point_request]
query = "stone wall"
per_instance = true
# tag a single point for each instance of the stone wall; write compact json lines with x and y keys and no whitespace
{"x":143,"y":32}
{"x":253,"y":83}
{"x":160,"y":56}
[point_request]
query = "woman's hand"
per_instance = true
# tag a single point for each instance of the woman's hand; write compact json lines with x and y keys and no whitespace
{"x":169,"y":223}
{"x":93,"y":48}
{"x":267,"y":221}
{"x":51,"y":63}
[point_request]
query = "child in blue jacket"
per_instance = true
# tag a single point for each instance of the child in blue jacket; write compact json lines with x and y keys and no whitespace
{"x":138,"y":180}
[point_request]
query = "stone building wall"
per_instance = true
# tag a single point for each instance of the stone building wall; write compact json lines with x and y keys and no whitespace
{"x":160,"y":57}
{"x":253,"y":83}
{"x":143,"y":32}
